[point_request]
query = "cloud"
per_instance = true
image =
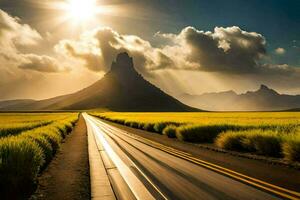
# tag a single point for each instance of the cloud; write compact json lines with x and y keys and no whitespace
{"x":12,"y":33}
{"x":280,"y":51}
{"x":85,"y":50}
{"x":228,"y":50}
{"x":13,"y":37}
{"x":98,"y":48}
{"x":41,"y":63}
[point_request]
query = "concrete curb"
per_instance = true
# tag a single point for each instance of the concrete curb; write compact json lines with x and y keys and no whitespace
{"x":100,"y":185}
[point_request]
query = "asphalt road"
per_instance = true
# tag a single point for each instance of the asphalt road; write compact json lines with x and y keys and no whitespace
{"x":155,"y":174}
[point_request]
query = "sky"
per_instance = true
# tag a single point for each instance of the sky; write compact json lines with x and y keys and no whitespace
{"x":55,"y":47}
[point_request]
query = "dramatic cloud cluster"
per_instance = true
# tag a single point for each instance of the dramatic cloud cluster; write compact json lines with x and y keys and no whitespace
{"x":14,"y":36}
{"x":99,"y":48}
{"x":225,"y":50}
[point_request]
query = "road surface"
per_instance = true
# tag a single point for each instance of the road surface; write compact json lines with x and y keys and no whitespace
{"x":152,"y":171}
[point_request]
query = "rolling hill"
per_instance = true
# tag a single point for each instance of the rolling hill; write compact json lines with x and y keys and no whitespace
{"x":121,"y":89}
{"x":263,"y":99}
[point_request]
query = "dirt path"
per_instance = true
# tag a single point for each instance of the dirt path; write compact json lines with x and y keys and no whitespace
{"x":67,"y":176}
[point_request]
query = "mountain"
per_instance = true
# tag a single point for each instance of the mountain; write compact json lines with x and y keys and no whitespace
{"x":294,"y":110}
{"x":15,"y":103}
{"x":121,"y":89}
{"x":263,"y":99}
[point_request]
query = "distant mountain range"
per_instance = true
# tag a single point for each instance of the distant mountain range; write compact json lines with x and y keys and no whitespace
{"x":121,"y":89}
{"x":295,"y":110}
{"x":264,"y":99}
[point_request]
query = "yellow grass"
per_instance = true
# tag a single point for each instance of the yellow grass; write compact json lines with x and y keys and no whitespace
{"x":266,"y":133}
{"x":26,"y":149}
{"x":14,"y":123}
{"x":207,"y":118}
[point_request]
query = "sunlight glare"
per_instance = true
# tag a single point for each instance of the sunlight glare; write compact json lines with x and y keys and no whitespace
{"x":82,"y":10}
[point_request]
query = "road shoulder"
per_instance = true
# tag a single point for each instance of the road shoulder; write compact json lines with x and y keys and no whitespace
{"x":101,"y":188}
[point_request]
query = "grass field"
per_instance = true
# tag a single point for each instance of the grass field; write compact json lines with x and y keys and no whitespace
{"x":28,"y":142}
{"x":13,"y":124}
{"x":275,"y":134}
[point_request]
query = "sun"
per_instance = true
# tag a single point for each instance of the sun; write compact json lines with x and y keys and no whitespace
{"x":81,"y":10}
{"x":80,"y":13}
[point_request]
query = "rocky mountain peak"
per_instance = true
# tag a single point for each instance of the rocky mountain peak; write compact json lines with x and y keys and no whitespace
{"x":123,"y":63}
{"x":265,"y":89}
{"x":123,"y":69}
{"x":123,"y":58}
